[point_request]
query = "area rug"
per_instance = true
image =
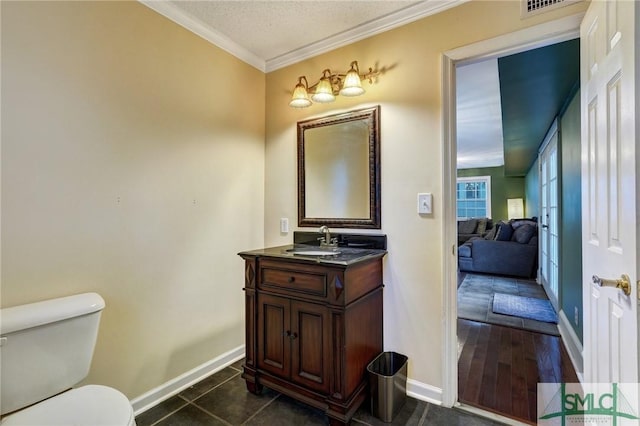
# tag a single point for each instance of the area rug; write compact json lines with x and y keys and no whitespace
{"x":524,"y":307}
{"x":475,"y":301}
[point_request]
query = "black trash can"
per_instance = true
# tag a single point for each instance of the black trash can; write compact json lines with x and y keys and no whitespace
{"x":388,"y":384}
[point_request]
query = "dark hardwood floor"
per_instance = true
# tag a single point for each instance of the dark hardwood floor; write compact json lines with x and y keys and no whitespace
{"x":499,"y":367}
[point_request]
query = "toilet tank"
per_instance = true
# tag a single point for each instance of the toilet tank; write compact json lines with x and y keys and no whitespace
{"x":46,"y":347}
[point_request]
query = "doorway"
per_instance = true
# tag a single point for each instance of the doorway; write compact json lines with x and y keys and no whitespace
{"x":538,"y":36}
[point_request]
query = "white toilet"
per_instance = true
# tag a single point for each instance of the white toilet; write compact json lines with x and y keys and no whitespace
{"x":45,"y":349}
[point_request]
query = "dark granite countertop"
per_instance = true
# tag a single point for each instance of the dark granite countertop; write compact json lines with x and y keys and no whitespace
{"x":339,"y":256}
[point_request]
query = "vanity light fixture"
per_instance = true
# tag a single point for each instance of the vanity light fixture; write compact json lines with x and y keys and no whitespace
{"x":330,"y":85}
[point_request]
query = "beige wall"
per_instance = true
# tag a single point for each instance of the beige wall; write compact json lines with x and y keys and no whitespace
{"x":411,"y":115}
{"x":130,"y":168}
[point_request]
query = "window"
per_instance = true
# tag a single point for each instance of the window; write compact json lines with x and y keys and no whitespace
{"x":473,"y":197}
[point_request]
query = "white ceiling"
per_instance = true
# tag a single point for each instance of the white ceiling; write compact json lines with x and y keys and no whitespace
{"x":271,"y":34}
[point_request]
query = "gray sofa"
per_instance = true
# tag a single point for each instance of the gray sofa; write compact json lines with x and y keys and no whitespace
{"x":469,"y":228}
{"x":511,"y":248}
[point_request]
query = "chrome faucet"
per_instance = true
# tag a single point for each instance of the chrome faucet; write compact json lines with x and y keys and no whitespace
{"x":327,"y":241}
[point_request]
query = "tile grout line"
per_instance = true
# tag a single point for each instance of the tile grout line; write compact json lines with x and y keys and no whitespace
{"x":215,"y":387}
{"x":262,"y":408}
{"x":172,"y":412}
{"x":423,"y":418}
{"x":211,"y":414}
{"x":191,"y":402}
{"x":194,"y":401}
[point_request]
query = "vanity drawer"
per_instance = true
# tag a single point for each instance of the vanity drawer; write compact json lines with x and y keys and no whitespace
{"x":302,"y":282}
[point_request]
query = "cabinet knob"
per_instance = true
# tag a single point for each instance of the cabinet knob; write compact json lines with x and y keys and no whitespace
{"x":292,"y":279}
{"x":290,"y":335}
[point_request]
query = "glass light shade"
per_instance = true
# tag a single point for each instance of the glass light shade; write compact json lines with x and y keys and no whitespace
{"x":324,"y":92}
{"x":300,"y":98}
{"x":352,"y":85}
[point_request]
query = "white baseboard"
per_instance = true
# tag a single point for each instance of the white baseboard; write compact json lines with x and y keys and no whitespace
{"x":424,"y":392}
{"x":180,"y":383}
{"x":415,"y":389}
{"x":572,"y":343}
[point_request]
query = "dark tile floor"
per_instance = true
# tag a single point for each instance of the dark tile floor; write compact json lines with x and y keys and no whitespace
{"x":222,"y":399}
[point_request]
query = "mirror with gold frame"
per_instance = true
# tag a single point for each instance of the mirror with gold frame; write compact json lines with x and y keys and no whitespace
{"x":339,"y":170}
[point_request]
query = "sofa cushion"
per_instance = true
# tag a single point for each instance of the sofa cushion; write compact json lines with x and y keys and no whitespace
{"x":523,"y":233}
{"x":504,"y":232}
{"x":467,"y":226}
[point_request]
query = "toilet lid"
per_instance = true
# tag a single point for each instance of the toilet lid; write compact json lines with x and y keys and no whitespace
{"x":93,"y":405}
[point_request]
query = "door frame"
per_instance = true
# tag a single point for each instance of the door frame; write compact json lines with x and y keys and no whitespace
{"x":541,"y":35}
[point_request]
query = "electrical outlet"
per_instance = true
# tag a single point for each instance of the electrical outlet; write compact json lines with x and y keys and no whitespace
{"x":575,"y":315}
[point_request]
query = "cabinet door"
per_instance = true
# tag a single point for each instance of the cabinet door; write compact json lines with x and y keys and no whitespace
{"x":311,"y":346}
{"x":274,"y":342}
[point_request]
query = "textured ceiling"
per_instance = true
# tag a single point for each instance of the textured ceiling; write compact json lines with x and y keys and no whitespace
{"x":272,"y":34}
{"x":270,"y":29}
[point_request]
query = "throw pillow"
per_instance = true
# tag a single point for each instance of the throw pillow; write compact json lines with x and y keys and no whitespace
{"x":523,"y":233}
{"x":504,"y":232}
{"x":519,"y":222}
{"x":467,"y":226}
{"x":492,"y":234}
{"x":482,"y":226}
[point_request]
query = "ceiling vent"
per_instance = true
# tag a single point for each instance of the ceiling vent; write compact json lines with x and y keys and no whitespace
{"x":534,"y":7}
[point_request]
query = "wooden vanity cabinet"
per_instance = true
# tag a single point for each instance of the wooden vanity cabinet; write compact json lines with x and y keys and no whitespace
{"x":311,"y":330}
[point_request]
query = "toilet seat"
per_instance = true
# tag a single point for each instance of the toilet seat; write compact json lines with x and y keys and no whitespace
{"x":93,"y":405}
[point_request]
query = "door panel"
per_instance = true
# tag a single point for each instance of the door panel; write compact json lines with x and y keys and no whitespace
{"x":273,"y":334}
{"x":609,"y":75}
{"x":310,"y":345}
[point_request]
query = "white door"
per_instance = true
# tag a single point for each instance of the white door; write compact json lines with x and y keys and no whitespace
{"x":549,"y":240}
{"x":609,"y":75}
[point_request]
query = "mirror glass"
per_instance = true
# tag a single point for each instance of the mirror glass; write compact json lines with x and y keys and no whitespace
{"x":339,"y":170}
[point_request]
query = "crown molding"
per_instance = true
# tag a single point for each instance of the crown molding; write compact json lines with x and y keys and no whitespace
{"x":176,"y":15}
{"x":376,"y":26}
{"x":371,"y":28}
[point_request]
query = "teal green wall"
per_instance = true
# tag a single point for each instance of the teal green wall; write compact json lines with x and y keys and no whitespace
{"x":571,"y":215}
{"x":532,"y":191}
{"x":502,"y":187}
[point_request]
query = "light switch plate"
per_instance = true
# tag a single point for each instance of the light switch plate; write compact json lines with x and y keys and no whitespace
{"x":424,"y":203}
{"x":284,"y":225}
